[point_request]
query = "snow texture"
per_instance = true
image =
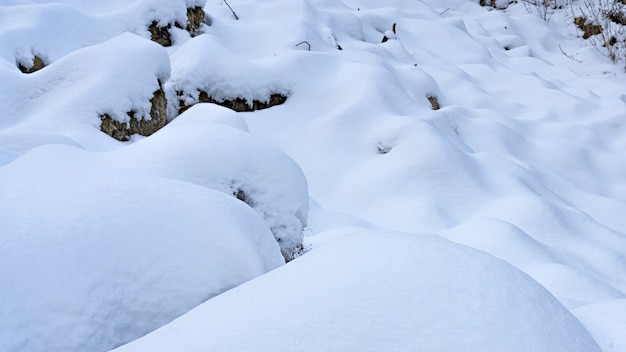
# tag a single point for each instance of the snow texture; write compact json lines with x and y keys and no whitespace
{"x":522,"y":160}
{"x":450,"y":298}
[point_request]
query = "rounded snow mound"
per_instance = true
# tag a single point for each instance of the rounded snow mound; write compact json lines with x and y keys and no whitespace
{"x":208,"y":145}
{"x":365,"y":290}
{"x":90,"y":265}
{"x":100,"y":248}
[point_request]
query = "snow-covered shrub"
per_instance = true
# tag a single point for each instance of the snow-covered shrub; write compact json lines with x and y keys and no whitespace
{"x":498,"y":4}
{"x":607,"y":19}
{"x":545,"y":8}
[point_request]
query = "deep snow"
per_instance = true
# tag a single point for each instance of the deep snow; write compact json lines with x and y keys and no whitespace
{"x":524,"y":160}
{"x":369,"y":290}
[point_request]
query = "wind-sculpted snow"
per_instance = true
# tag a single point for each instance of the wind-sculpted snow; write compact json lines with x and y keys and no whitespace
{"x":493,"y":129}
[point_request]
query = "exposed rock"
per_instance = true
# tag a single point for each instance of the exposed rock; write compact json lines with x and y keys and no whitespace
{"x":122,"y":131}
{"x":195,"y":17}
{"x":160,"y":34}
{"x":384,"y":147}
{"x":238,"y":104}
{"x":389,"y":35}
{"x":433,"y":102}
{"x":37,"y":65}
{"x":241,"y":195}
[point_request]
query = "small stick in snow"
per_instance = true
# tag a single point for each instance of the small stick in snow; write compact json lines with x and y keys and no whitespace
{"x":231,"y":10}
{"x":305,"y":42}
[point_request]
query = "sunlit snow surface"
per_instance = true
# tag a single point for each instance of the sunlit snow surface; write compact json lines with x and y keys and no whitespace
{"x":103,"y":241}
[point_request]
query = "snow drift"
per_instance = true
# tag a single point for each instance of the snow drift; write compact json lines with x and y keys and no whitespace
{"x":449,"y":298}
{"x":101,"y":248}
{"x":493,"y":129}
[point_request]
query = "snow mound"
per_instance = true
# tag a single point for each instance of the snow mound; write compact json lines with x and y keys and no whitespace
{"x":59,"y":103}
{"x":203,"y":64}
{"x":606,"y":321}
{"x":523,"y":159}
{"x":493,"y":129}
{"x":109,"y":259}
{"x":370,"y":290}
{"x":229,"y":160}
{"x":103,"y":247}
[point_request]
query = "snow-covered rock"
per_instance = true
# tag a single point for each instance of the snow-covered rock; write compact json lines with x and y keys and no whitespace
{"x":89,"y":264}
{"x":523,"y":159}
{"x":103,"y":247}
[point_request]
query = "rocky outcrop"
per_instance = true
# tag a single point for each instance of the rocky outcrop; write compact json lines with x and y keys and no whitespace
{"x":434,"y":103}
{"x":195,"y":17}
{"x":237,"y":104}
{"x":36,"y":65}
{"x":161,"y":33}
{"x":138,"y":125}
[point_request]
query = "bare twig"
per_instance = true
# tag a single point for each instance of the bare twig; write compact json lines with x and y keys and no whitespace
{"x":231,"y":10}
{"x":305,"y":42}
{"x":569,"y":56}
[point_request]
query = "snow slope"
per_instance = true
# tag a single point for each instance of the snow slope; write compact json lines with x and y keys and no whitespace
{"x":524,"y":160}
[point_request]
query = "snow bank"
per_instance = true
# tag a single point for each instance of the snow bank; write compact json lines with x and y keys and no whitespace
{"x":379,"y":291}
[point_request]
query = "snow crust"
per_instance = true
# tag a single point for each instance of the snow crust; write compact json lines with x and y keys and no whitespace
{"x":103,"y":241}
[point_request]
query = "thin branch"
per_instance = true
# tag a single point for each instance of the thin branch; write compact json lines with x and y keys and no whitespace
{"x":569,"y":56}
{"x":231,"y":10}
{"x":305,"y":42}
